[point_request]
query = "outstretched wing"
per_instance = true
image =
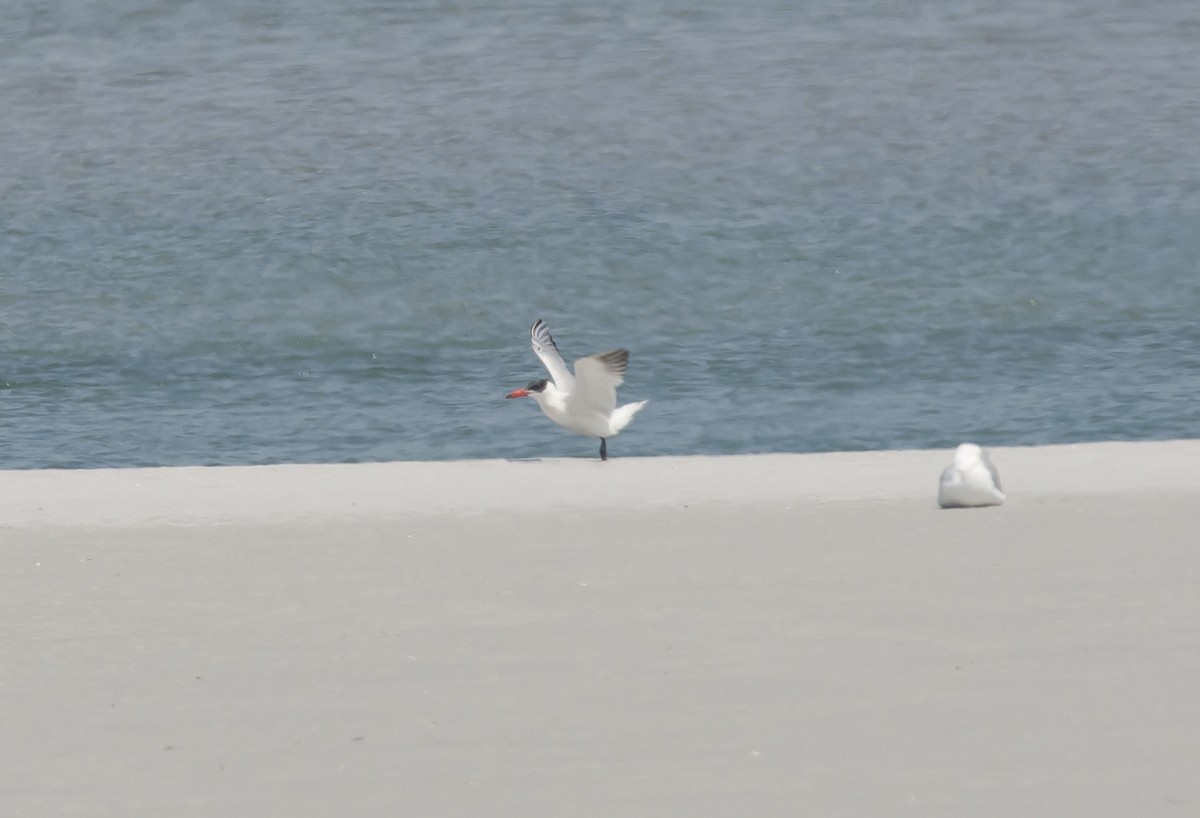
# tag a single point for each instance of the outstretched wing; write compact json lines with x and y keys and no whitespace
{"x":596,"y":380}
{"x":545,"y":348}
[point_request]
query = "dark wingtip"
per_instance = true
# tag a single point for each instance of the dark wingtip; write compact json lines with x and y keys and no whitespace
{"x":616,"y":358}
{"x":539,"y":328}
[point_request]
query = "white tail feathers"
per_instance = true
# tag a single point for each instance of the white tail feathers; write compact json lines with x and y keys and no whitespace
{"x":623,"y":414}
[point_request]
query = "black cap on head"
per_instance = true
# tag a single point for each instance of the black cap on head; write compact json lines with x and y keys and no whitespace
{"x":537,"y":386}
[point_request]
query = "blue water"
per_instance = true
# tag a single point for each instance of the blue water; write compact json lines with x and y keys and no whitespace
{"x":313,"y":232}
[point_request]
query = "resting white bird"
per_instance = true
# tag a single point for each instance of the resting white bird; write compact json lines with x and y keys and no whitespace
{"x":586,"y":402}
{"x":971,"y":480}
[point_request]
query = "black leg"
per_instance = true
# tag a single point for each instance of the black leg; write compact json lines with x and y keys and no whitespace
{"x":603,"y":449}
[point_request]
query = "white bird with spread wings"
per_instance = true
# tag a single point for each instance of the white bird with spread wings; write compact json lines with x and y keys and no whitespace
{"x":586,"y":402}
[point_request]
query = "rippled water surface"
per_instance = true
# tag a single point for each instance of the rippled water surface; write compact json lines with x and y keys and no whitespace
{"x":310,"y":232}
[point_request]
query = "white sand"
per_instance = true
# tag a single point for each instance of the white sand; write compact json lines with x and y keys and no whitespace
{"x":274,"y":494}
{"x":776,"y":635}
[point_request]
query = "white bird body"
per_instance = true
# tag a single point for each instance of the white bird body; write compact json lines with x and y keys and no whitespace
{"x":970,"y":481}
{"x":584,"y":402}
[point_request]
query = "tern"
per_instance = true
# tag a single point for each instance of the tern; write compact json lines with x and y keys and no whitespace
{"x":971,"y":480}
{"x":586,"y":402}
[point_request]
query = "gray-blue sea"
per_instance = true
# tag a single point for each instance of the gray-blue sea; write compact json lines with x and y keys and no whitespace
{"x":302,"y":231}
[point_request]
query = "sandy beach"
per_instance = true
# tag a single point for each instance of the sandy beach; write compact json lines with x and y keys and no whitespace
{"x":709,"y":636}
